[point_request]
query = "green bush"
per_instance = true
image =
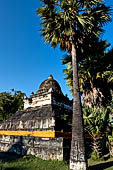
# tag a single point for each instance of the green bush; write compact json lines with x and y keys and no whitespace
{"x":95,"y":156}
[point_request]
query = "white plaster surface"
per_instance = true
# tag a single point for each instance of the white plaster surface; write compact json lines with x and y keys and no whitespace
{"x":78,"y":165}
{"x":44,"y":99}
{"x":38,"y":101}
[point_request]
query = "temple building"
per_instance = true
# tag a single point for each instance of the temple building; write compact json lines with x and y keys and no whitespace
{"x":49,"y":93}
{"x":43,"y":127}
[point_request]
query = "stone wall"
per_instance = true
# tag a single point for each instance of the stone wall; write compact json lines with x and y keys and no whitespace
{"x":45,"y":148}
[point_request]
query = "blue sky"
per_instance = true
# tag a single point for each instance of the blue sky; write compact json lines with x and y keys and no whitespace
{"x":25,"y":60}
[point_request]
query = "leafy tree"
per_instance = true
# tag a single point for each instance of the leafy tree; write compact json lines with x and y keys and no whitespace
{"x":69,"y":22}
{"x":10,"y":103}
{"x":94,"y":71}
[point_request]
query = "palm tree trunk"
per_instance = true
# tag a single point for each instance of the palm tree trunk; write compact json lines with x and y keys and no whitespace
{"x":96,"y":145}
{"x":77,"y":155}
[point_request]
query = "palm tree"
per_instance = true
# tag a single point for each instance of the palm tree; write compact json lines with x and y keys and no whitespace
{"x":96,"y":124}
{"x":94,"y":70}
{"x":68,"y":22}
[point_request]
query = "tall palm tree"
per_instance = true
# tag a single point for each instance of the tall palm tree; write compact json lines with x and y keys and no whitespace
{"x":68,"y":22}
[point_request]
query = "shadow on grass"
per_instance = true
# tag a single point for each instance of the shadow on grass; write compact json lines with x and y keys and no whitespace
{"x":7,"y":156}
{"x":11,"y":168}
{"x":8,"y":159}
{"x":102,"y":166}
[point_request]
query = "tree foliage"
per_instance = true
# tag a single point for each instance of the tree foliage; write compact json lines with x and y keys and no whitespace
{"x":96,"y":121}
{"x":95,"y":74}
{"x":62,"y":19}
{"x":97,"y":125}
{"x":10,"y":102}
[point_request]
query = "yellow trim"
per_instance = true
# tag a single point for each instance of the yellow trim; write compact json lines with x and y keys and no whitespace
{"x":26,"y":133}
{"x":48,"y":134}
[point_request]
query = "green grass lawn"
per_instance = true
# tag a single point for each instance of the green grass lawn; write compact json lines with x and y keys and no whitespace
{"x":33,"y":163}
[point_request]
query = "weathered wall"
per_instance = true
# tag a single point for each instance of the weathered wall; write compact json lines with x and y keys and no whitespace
{"x":37,"y":100}
{"x":44,"y":123}
{"x":46,"y":148}
{"x":46,"y":99}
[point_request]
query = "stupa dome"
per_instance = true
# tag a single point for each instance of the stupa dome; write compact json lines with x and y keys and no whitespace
{"x":49,"y":85}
